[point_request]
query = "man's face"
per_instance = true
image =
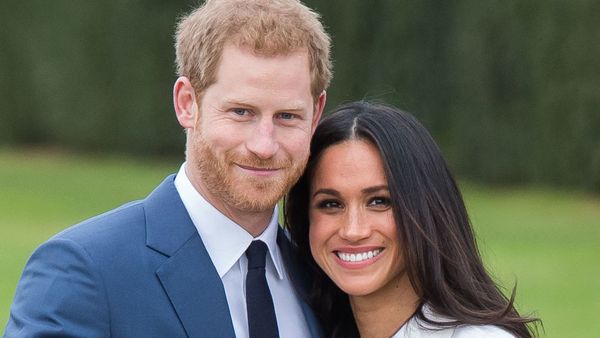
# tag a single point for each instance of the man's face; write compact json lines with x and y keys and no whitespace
{"x":251,"y":140}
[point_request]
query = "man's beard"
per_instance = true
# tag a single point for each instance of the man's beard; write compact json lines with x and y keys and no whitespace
{"x":244,"y":192}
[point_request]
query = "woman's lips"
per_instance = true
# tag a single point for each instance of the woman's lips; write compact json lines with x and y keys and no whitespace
{"x":355,"y":258}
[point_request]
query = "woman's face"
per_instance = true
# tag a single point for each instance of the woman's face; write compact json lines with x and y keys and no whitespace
{"x":353,"y":236}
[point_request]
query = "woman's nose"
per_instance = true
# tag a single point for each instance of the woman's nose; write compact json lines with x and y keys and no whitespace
{"x":355,"y":226}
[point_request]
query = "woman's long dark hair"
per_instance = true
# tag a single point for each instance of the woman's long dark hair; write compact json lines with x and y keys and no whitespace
{"x":442,"y":259}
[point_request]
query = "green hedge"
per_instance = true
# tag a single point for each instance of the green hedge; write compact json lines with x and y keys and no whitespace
{"x":510,"y":89}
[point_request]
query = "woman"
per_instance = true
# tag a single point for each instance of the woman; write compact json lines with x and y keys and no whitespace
{"x":394,"y":252}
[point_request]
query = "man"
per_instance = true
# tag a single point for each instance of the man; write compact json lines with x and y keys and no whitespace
{"x":251,"y":90}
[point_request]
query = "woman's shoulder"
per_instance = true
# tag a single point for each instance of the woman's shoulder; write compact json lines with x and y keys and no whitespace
{"x":421,"y":330}
{"x":488,"y":331}
{"x":417,"y":328}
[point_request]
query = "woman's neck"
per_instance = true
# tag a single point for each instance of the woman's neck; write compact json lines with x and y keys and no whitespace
{"x":382,"y":313}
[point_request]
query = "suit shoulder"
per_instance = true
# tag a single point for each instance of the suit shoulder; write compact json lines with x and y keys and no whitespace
{"x":103,"y":236}
{"x":115,"y":221}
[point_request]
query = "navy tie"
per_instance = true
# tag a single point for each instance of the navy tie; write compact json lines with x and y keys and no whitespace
{"x":262,"y":322}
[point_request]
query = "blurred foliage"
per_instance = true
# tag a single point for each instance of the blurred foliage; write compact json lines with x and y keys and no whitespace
{"x":89,"y":75}
{"x":510,"y":89}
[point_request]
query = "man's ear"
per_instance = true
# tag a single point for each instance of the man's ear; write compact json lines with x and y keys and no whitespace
{"x":184,"y":101}
{"x":319,"y":106}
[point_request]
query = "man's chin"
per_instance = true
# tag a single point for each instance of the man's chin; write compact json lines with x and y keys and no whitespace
{"x":257,"y":199}
{"x":256,"y":205}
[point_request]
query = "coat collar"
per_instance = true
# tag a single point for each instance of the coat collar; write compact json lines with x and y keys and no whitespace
{"x":168,"y":225}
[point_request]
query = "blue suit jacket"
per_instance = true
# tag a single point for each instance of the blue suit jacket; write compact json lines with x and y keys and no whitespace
{"x":137,"y":271}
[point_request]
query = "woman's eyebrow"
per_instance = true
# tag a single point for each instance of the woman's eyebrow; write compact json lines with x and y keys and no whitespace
{"x":326,"y":191}
{"x":376,"y":188}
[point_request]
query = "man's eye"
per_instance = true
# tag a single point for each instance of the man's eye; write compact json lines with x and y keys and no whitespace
{"x":287,"y":116}
{"x":240,"y":111}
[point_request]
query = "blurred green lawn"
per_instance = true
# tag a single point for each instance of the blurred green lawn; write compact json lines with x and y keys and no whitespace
{"x":547,"y":241}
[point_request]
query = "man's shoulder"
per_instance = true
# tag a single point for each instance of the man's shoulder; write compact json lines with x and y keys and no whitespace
{"x":116,"y":222}
{"x":123,"y":223}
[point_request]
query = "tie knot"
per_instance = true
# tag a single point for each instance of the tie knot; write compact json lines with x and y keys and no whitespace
{"x":256,"y":254}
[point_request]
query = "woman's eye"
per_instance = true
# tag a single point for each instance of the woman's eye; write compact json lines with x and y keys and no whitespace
{"x":328,"y":204}
{"x":381,"y":202}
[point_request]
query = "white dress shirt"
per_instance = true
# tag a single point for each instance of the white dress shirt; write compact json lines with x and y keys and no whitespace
{"x":226,"y":243}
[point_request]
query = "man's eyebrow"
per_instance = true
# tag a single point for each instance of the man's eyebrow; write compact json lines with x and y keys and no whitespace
{"x":291,"y":106}
{"x":236,"y":102}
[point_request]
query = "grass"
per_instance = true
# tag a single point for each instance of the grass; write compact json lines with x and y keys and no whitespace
{"x":545,"y":240}
{"x":548,"y":242}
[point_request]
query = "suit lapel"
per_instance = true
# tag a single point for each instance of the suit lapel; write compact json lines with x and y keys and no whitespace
{"x":188,"y":276}
{"x":196,"y":291}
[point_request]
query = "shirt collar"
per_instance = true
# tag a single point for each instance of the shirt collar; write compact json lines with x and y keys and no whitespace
{"x":213,"y":227}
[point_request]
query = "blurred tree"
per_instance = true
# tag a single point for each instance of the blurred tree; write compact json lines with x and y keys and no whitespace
{"x":510,"y":89}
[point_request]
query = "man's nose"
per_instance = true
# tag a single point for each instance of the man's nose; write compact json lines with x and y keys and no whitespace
{"x":262,"y":142}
